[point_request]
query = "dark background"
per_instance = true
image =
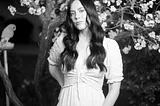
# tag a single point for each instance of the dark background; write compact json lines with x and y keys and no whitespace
{"x":28,"y":26}
{"x":22,"y":58}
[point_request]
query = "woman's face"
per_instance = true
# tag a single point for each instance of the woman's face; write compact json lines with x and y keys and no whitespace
{"x":78,"y":15}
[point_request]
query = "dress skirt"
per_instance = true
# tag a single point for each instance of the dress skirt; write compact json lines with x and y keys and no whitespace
{"x":80,"y":95}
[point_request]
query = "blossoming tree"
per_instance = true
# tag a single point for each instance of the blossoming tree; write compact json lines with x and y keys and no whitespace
{"x":133,"y":23}
{"x":51,"y":14}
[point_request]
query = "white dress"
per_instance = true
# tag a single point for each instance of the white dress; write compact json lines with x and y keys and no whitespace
{"x":83,"y":87}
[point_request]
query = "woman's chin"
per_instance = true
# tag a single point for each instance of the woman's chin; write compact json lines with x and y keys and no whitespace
{"x":81,"y":28}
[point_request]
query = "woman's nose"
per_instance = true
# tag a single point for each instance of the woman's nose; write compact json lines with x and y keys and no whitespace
{"x":77,"y":15}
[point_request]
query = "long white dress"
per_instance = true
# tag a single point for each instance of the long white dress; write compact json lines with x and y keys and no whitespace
{"x":83,"y":87}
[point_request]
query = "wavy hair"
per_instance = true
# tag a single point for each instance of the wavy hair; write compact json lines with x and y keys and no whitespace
{"x":97,"y":51}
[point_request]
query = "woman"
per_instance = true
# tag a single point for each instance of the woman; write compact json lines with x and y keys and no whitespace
{"x":80,"y":60}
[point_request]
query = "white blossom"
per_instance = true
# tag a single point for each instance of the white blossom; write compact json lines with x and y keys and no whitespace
{"x":105,"y":1}
{"x":150,"y":47}
{"x":113,"y":1}
{"x":158,"y":37}
{"x":97,"y":3}
{"x":126,"y":49}
{"x":152,"y":34}
{"x":43,"y":9}
{"x":12,"y":9}
{"x":158,"y":50}
{"x":36,"y":2}
{"x":138,"y":46}
{"x":150,"y":23}
{"x":157,"y":17}
{"x":143,"y":43}
{"x":157,"y":20}
{"x":102,"y":16}
{"x":108,"y":2}
{"x":63,"y":7}
{"x":104,"y":25}
{"x":144,"y":7}
{"x":25,"y":2}
{"x":149,"y":16}
{"x":128,"y":26}
{"x":118,"y":2}
{"x":112,"y":34}
{"x":150,"y":4}
{"x":113,"y":9}
{"x":38,"y":11}
{"x":137,"y":16}
{"x":155,"y":46}
{"x":32,"y":10}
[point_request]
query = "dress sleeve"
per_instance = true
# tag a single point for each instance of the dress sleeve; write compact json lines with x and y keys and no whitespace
{"x":113,"y":61}
{"x":55,"y":51}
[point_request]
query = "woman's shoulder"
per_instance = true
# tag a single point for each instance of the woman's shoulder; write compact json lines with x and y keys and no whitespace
{"x":60,"y":37}
{"x":58,"y":42}
{"x":109,"y":42}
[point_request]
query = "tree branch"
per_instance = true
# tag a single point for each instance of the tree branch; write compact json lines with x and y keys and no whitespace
{"x":8,"y":86}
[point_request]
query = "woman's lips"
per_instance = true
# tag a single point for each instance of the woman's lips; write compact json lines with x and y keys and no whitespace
{"x":79,"y":22}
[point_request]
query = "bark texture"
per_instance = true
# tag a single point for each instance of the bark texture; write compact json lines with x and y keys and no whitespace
{"x":49,"y":24}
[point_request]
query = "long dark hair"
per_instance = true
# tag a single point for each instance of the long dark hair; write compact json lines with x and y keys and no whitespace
{"x":98,"y":54}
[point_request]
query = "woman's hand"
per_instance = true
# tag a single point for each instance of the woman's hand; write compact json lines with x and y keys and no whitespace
{"x":113,"y":93}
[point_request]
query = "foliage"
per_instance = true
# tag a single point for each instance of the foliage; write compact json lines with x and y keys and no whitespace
{"x":35,"y":7}
{"x":142,"y":76}
{"x":136,"y":19}
{"x":135,"y":25}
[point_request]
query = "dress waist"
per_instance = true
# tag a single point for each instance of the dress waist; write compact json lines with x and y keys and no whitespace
{"x":91,"y":80}
{"x":88,"y":78}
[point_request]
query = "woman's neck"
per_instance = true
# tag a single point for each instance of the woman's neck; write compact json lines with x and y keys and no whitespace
{"x":85,"y":34}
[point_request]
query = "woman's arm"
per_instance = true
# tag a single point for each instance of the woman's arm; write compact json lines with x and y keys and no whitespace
{"x":114,"y":73}
{"x":56,"y":74}
{"x":54,"y":58}
{"x":113,"y":93}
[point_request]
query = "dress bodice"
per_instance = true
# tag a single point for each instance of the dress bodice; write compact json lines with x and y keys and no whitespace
{"x":80,"y":73}
{"x":83,"y":86}
{"x":113,"y":63}
{"x":92,"y":77}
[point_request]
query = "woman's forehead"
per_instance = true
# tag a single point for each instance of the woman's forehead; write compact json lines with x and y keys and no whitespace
{"x":76,"y":4}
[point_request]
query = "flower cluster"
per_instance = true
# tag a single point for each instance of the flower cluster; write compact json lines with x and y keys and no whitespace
{"x":34,"y":7}
{"x":140,"y":18}
{"x":12,"y":9}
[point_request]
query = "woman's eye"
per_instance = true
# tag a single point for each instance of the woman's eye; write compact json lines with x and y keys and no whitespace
{"x":71,"y":14}
{"x":81,"y":10}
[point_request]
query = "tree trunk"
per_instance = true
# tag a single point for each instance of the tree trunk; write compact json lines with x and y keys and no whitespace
{"x":45,"y":41}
